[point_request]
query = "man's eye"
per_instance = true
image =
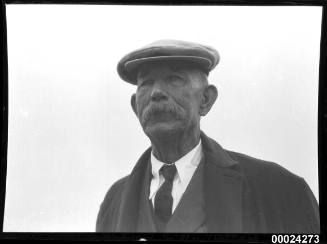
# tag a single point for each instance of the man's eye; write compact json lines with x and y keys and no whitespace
{"x":147,"y":83}
{"x":176,"y":80}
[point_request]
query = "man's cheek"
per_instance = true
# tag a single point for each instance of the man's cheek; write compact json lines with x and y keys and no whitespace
{"x":140,"y":101}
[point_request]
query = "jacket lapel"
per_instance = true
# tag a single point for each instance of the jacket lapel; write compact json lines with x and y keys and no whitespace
{"x":189,"y":213}
{"x":222,"y":189}
{"x":129,"y":209}
{"x":146,"y":221}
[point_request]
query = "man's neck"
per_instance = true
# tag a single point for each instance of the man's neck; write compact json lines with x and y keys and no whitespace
{"x":170,"y":148}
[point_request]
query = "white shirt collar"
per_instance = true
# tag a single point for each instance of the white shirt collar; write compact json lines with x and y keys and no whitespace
{"x":183,"y":165}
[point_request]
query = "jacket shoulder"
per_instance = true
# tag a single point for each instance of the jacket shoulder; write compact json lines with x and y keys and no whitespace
{"x":114,"y":191}
{"x":268,"y":178}
{"x":265,"y":170}
{"x":274,"y":187}
{"x":110,"y":204}
{"x":115,"y":188}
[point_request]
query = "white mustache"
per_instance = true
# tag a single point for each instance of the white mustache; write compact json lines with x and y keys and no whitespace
{"x":161,"y":107}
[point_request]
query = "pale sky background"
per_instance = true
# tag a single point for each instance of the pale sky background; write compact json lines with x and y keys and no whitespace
{"x":72,"y":132}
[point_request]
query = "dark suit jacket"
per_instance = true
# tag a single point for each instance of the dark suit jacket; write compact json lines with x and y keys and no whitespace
{"x":241,"y":195}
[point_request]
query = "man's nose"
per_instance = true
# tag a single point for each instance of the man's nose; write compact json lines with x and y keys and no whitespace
{"x":158,"y":93}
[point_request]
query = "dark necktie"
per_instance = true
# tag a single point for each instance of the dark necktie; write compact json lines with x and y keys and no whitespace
{"x":163,"y":201}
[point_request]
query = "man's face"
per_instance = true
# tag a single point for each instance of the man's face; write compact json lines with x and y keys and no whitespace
{"x":168,"y":98}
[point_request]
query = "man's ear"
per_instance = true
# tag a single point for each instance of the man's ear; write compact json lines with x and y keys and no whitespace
{"x":209,"y":96}
{"x":133,"y":103}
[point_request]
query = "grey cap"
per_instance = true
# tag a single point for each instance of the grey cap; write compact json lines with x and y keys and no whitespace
{"x":168,"y":50}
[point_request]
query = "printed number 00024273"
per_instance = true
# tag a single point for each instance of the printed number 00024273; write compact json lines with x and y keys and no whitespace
{"x":295,"y":239}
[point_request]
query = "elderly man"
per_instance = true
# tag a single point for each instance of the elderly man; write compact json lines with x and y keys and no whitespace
{"x":186,"y":182}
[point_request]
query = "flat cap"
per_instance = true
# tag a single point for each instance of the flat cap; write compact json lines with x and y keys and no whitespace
{"x":204,"y":57}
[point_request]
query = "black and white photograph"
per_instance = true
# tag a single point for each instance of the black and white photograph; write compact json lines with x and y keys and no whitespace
{"x":162,"y":119}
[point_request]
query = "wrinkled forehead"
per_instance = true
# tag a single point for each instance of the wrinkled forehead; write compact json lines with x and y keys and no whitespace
{"x":160,"y":67}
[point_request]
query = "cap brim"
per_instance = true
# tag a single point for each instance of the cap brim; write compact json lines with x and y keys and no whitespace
{"x":203,"y":62}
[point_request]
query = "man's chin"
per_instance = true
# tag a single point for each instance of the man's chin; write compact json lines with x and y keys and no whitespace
{"x":162,"y":128}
